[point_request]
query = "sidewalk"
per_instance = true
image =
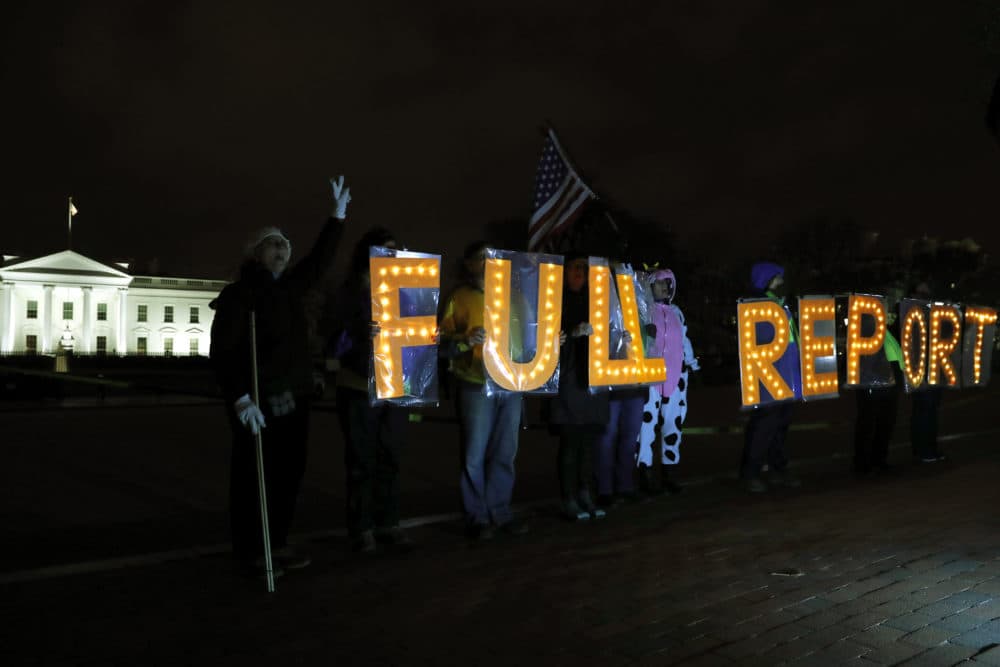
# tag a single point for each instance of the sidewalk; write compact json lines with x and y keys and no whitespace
{"x":868,"y":572}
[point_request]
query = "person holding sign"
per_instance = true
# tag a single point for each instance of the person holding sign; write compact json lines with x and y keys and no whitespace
{"x":666,"y":406}
{"x":577,"y":415}
{"x":489,"y":423}
{"x":373,"y":435}
{"x":273,"y":293}
{"x":877,"y":405}
{"x":767,"y":427}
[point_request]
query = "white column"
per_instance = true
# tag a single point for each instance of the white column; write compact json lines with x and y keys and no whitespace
{"x":7,"y":319}
{"x":121,"y":342}
{"x":47,"y":320}
{"x":87,"y":345}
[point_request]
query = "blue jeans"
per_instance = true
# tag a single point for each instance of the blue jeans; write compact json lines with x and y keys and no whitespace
{"x":489,"y":427}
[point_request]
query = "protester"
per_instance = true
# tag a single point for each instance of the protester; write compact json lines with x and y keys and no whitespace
{"x":578,"y":415}
{"x":373,"y":435}
{"x":615,"y":449}
{"x":275,"y":296}
{"x":925,"y":403}
{"x":877,"y":406}
{"x":489,"y":423}
{"x":663,"y":415}
{"x":767,"y":426}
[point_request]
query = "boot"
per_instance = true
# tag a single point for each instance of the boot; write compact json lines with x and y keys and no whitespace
{"x":669,"y":485}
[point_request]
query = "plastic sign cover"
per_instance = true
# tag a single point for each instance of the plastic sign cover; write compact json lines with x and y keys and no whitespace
{"x":818,"y":348}
{"x":614,"y":309}
{"x":523,"y":313}
{"x":977,"y":345}
{"x":867,"y":326}
{"x":405,"y":290}
{"x":763,"y":319}
{"x":944,"y":361}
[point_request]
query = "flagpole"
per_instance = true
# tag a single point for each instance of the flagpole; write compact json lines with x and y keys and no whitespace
{"x":69,"y":225}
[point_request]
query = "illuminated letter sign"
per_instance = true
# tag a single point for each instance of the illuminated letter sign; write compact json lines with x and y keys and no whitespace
{"x":388,"y":276}
{"x":859,"y":345}
{"x":636,"y":368}
{"x":914,"y":324}
{"x":497,"y":350}
{"x":980,"y":328}
{"x":817,"y":348}
{"x":757,"y":361}
{"x":942,"y":349}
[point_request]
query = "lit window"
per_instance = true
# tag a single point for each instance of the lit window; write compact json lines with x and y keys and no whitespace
{"x":140,"y":346}
{"x":102,"y":312}
{"x":32,"y":313}
{"x":193,"y":347}
{"x":168,"y":347}
{"x":140,"y":315}
{"x":67,"y":310}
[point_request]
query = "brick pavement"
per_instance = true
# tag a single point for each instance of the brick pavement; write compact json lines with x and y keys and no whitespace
{"x":897,"y":570}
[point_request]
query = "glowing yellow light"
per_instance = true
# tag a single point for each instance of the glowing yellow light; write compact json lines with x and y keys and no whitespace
{"x":502,"y":369}
{"x":812,"y":310}
{"x":757,"y":360}
{"x":858,"y":346}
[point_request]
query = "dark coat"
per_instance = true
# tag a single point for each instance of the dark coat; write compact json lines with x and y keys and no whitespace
{"x":575,"y":405}
{"x":283,"y":359}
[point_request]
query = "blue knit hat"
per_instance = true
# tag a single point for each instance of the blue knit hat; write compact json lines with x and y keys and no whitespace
{"x":763,"y":273}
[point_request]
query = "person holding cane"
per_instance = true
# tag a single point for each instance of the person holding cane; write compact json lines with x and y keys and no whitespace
{"x":273,"y":294}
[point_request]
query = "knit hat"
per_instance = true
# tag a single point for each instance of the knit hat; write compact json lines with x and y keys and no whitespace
{"x":762,"y":273}
{"x":264,"y":234}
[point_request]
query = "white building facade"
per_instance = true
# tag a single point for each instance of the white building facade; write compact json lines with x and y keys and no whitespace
{"x":69,"y":299}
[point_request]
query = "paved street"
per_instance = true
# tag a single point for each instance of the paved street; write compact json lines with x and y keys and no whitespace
{"x":117,"y":527}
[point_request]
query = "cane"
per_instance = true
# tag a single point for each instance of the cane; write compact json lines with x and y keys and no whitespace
{"x":259,"y":438}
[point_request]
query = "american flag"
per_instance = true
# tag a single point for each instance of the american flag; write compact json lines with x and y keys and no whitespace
{"x":559,"y":195}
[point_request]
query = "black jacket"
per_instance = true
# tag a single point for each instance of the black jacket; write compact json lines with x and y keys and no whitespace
{"x":575,"y":405}
{"x":283,"y":359}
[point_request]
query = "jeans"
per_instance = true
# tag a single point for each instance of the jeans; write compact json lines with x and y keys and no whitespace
{"x":489,"y":430}
{"x":924,"y":422}
{"x":615,"y":449}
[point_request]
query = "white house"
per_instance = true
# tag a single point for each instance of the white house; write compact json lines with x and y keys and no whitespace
{"x":100,"y":308}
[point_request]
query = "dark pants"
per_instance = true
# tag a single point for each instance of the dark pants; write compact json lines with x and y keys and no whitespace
{"x":284,"y":445}
{"x":873,"y":427}
{"x":924,"y":422}
{"x":764,"y":439}
{"x":574,"y":459}
{"x":615,"y":449}
{"x":373,"y":438}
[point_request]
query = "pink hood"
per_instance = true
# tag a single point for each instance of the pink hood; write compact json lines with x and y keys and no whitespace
{"x":669,"y":341}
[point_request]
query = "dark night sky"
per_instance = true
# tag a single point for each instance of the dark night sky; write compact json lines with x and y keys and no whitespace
{"x":178,"y":127}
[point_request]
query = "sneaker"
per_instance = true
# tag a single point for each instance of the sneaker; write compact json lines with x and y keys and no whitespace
{"x":394,"y":537}
{"x":291,"y":558}
{"x":364,"y":543}
{"x":514,"y":527}
{"x":755,"y":485}
{"x":784,"y":478}
{"x":571,"y":511}
{"x":479,"y":532}
{"x":597,"y":513}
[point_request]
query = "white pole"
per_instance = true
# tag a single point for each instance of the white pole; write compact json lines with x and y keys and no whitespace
{"x":69,"y":225}
{"x":260,"y":460}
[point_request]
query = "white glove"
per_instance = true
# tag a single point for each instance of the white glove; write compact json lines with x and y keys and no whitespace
{"x":341,"y":197}
{"x":249,"y":414}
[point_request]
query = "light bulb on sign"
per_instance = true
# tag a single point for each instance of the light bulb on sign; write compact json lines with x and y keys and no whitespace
{"x":757,"y":361}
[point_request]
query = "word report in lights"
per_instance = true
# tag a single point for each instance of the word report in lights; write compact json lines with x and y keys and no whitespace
{"x":941,"y":345}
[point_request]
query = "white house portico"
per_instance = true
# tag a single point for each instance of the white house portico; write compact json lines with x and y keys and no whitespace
{"x":101,"y":308}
